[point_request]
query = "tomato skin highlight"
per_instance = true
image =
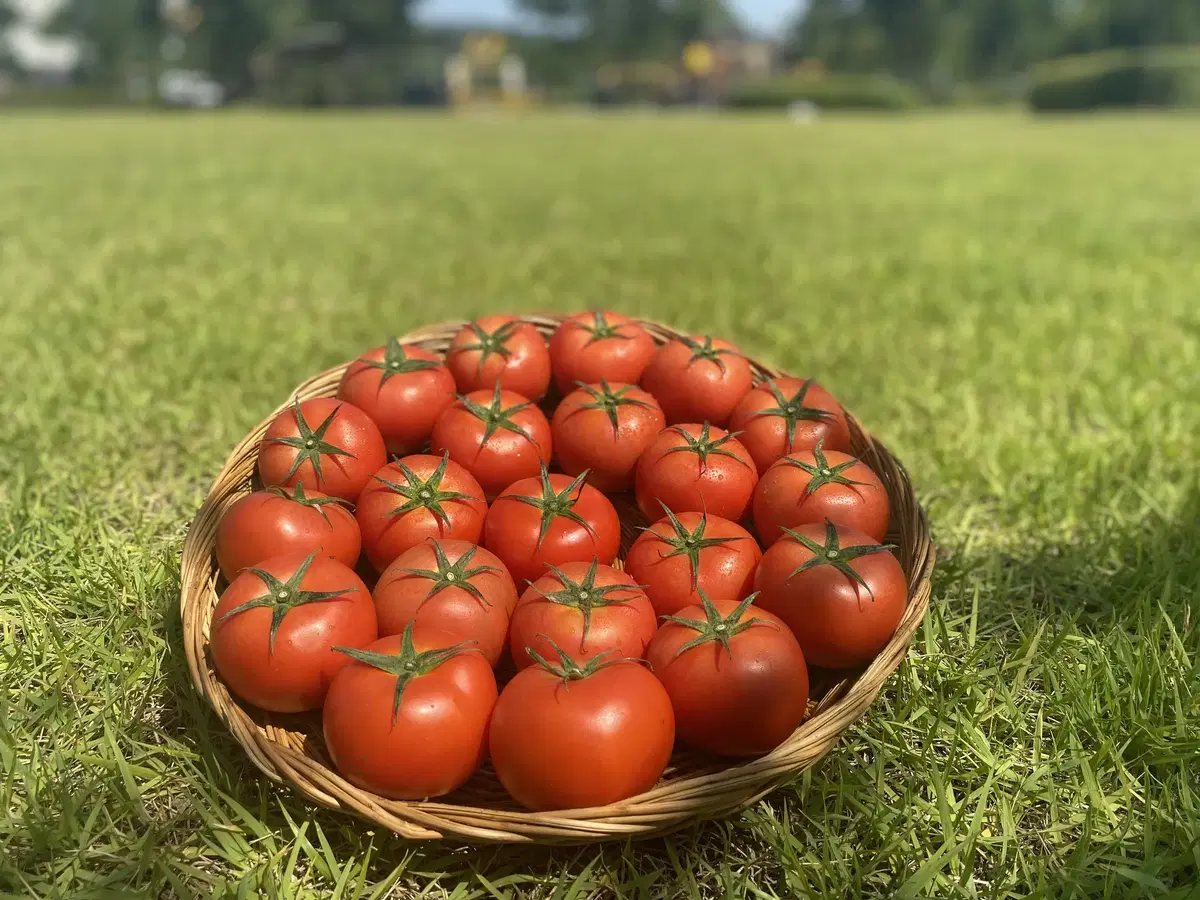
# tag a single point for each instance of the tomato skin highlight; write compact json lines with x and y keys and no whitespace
{"x":350,"y":430}
{"x":439,"y":736}
{"x":525,"y":371}
{"x":265,"y":524}
{"x":766,"y":436}
{"x":404,"y":406}
{"x":584,"y":439}
{"x":697,"y":390}
{"x":296,"y":675}
{"x":781,"y":499}
{"x":575,"y":356}
{"x":593,"y":742}
{"x":721,"y":485}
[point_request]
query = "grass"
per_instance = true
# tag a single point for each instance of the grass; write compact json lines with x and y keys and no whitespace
{"x":1014,"y":306}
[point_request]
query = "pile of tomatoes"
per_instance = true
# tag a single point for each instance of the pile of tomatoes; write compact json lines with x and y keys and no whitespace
{"x":494,"y":535}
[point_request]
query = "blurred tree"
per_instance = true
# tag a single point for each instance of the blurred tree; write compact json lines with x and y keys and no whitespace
{"x":116,"y":34}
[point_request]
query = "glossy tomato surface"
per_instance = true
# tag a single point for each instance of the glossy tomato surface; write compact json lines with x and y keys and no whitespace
{"x":599,"y":346}
{"x":784,"y":415}
{"x":697,"y":380}
{"x":603,"y":429}
{"x":695,"y":468}
{"x":500,"y":350}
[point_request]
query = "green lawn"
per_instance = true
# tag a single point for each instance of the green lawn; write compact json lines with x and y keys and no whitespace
{"x":1014,"y":306}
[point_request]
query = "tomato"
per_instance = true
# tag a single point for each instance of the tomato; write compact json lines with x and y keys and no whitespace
{"x":695,"y":468}
{"x":336,"y":457}
{"x":273,"y":522}
{"x":275,"y":627}
{"x":585,"y":608}
{"x":840,"y":592}
{"x":403,"y":390}
{"x":784,"y":415}
{"x":603,"y":429}
{"x":599,"y":346}
{"x":416,"y":498}
{"x":497,"y":436}
{"x":812,"y":486}
{"x":736,"y":677}
{"x":569,"y":736}
{"x":679,"y":558}
{"x":697,"y":380}
{"x":452,"y":585}
{"x":500,"y":350}
{"x":551,"y":520}
{"x":408,"y":716}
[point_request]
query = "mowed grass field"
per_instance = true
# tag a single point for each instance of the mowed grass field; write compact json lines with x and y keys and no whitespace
{"x":1013,"y":306}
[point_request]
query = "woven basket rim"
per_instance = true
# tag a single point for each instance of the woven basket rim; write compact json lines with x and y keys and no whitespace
{"x":713,"y":790}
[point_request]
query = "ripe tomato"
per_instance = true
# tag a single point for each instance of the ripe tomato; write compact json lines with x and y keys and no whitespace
{"x":784,"y":415}
{"x":680,"y":558}
{"x":840,"y":592}
{"x":603,"y":429}
{"x":497,"y":436}
{"x":403,"y":390}
{"x":275,"y":627}
{"x":500,"y":350}
{"x":273,"y":522}
{"x":417,"y":498}
{"x":408,"y":716}
{"x":695,"y":468}
{"x":566,"y":736}
{"x":336,"y":457}
{"x":599,"y":346}
{"x":811,"y":486}
{"x":735,"y":675}
{"x":452,"y":585}
{"x":697,"y":380}
{"x":585,"y":608}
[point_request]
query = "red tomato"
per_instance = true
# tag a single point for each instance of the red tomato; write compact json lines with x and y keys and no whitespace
{"x":809,"y":487}
{"x":784,"y":415}
{"x":336,"y":456}
{"x":408,"y":716}
{"x":695,"y":468}
{"x":497,"y":436}
{"x":275,"y":627}
{"x":840,"y":592}
{"x":735,"y":675}
{"x":452,"y":585}
{"x":549,"y":521}
{"x":500,"y":350}
{"x":417,"y":498}
{"x":680,"y":558}
{"x":603,"y":429}
{"x":587,"y":609}
{"x":565,"y":736}
{"x":599,"y":346}
{"x":403,"y":390}
{"x":273,"y":522}
{"x":698,"y":380}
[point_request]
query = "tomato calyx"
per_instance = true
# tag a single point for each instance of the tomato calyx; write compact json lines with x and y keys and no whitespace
{"x":494,"y":343}
{"x":716,"y":627}
{"x":299,"y":496}
{"x":408,"y":663}
{"x":448,"y":575}
{"x":707,"y":351}
{"x":585,"y":595}
{"x":284,"y":596}
{"x":704,"y":446}
{"x":396,"y":361}
{"x":310,"y":444}
{"x":568,"y":669}
{"x":609,"y":401}
{"x":427,"y":494}
{"x":833,"y":554}
{"x":495,"y":416}
{"x":792,"y":410}
{"x":688,"y":543}
{"x":601,"y":329}
{"x":555,"y":505}
{"x":822,"y":473}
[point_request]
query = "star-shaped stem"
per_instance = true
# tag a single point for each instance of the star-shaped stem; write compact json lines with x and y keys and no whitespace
{"x":716,"y":627}
{"x":704,"y":446}
{"x":493,"y":343}
{"x":606,"y":399}
{"x":427,"y":494}
{"x":408,"y":664}
{"x":585,"y":596}
{"x":833,"y":554}
{"x":299,"y":496}
{"x":707,"y":351}
{"x":284,"y":596}
{"x":569,"y":670}
{"x":457,"y":574}
{"x":601,"y":329}
{"x":310,"y":444}
{"x":396,"y":361}
{"x":554,"y":505}
{"x":822,"y":473}
{"x":688,"y":543}
{"x":793,"y":410}
{"x":495,"y":416}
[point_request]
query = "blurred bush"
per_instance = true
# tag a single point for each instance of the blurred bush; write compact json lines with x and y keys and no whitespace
{"x":1161,"y":76}
{"x":827,"y":92}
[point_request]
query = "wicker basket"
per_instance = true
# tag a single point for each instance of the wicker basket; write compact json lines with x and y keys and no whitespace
{"x":289,"y":748}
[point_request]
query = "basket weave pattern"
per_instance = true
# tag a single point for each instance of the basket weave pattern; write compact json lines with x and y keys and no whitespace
{"x":289,"y":748}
